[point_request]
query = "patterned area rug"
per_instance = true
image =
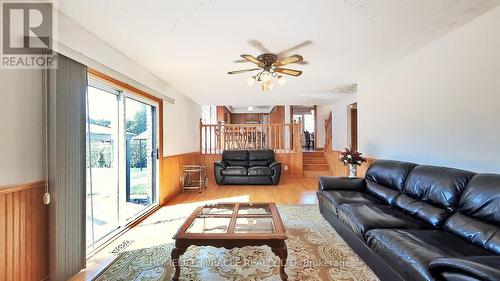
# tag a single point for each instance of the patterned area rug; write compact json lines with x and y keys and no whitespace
{"x":315,"y":252}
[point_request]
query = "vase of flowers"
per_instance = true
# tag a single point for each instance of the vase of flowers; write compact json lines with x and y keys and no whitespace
{"x":353,"y":159}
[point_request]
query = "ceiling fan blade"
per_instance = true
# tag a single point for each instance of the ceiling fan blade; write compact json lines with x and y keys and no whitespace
{"x":302,"y":62}
{"x":288,"y":71}
{"x":253,"y":59}
{"x":240,"y":61}
{"x":288,"y":60}
{"x":258,"y":45}
{"x":242,"y":71}
{"x":301,"y":45}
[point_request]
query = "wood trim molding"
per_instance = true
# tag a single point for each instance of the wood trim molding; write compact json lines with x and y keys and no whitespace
{"x":124,"y":85}
{"x":182,"y":154}
{"x":21,"y":187}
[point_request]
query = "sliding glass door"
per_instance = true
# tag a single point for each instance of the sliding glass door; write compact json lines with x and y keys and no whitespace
{"x":122,"y":158}
{"x":141,"y":156}
{"x":102,"y":164}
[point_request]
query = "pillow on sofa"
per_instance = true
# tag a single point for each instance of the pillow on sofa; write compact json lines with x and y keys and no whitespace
{"x":235,"y":157}
{"x":260,"y":157}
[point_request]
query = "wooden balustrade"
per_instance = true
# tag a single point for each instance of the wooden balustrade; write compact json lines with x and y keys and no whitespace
{"x":282,"y":138}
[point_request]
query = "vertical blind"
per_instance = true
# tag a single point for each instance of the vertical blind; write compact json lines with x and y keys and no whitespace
{"x":67,"y":86}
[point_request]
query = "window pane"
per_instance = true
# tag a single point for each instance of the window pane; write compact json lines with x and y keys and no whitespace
{"x":102,"y":166}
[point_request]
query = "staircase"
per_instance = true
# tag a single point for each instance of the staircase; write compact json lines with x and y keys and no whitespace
{"x":314,"y":164}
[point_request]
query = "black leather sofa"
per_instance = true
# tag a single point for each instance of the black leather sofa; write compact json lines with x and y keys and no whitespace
{"x":417,"y":222}
{"x":247,"y":167}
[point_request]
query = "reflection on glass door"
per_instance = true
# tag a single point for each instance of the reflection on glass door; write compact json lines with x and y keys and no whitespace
{"x":140,"y":157}
{"x":122,"y":160}
{"x":102,"y":164}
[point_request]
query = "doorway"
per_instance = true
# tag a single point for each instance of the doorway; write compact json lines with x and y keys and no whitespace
{"x":306,"y":115}
{"x":122,"y":160}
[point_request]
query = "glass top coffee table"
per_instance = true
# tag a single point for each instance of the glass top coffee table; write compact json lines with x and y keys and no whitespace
{"x":232,"y":225}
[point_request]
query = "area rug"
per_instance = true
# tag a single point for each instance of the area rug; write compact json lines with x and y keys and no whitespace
{"x":315,"y":252}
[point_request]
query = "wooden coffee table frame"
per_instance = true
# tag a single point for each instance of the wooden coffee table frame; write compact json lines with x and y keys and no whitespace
{"x":229,"y":240}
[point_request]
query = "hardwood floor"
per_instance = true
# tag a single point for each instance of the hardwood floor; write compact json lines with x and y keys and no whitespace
{"x":289,"y":191}
{"x":154,"y":230}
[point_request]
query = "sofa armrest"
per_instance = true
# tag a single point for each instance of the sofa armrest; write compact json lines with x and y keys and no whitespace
{"x":221,"y":164}
{"x":466,"y":268}
{"x":274,"y":164}
{"x":218,"y":167}
{"x":341,"y":183}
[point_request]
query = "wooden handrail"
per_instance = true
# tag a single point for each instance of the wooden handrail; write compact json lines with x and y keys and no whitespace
{"x":282,"y":138}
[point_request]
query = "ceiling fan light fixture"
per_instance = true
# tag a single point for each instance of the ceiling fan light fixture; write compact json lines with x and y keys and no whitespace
{"x":265,"y":76}
{"x":250,"y":108}
{"x":270,"y":84}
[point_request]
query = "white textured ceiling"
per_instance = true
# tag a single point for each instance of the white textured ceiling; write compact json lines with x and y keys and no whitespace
{"x":191,"y":44}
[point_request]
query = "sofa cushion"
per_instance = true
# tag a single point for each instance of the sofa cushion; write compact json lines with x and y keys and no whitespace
{"x":235,"y":157}
{"x":478,"y":216}
{"x":260,"y":157}
{"x":432,"y":193}
{"x":363,"y":217}
{"x":260,"y":171}
{"x":385,"y":178}
{"x":410,"y":252}
{"x":339,"y":197}
{"x":341,"y":183}
{"x":234,"y":171}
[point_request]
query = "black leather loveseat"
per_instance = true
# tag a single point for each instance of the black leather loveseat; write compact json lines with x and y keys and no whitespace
{"x":247,"y":167}
{"x":416,"y":222}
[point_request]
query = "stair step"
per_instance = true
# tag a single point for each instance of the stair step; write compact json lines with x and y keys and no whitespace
{"x":315,"y":174}
{"x":313,"y":154}
{"x":314,"y":160}
{"x":316,"y":167}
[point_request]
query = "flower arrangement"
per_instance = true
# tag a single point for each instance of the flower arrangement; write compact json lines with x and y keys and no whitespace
{"x":349,"y":157}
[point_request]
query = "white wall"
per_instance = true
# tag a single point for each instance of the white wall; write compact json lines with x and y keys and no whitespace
{"x":21,"y":133}
{"x":440,"y":105}
{"x":322,"y":113}
{"x":340,"y":130}
{"x":181,"y":119}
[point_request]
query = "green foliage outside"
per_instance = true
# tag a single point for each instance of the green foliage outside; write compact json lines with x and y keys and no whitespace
{"x":101,"y":156}
{"x":139,"y":123}
{"x":138,"y":154}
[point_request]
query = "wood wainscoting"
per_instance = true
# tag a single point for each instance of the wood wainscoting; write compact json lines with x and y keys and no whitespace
{"x":339,"y":170}
{"x":23,"y":232}
{"x":171,"y":170}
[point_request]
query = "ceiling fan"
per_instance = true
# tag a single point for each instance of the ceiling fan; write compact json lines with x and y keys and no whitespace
{"x":271,"y":60}
{"x":269,"y":66}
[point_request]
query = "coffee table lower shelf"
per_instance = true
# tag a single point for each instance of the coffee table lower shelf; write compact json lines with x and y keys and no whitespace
{"x":278,"y":247}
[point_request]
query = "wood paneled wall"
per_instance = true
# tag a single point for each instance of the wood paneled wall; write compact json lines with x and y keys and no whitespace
{"x":23,"y":233}
{"x":171,"y":174}
{"x":277,"y":115}
{"x":294,"y":163}
{"x":339,"y":170}
{"x":223,"y":114}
